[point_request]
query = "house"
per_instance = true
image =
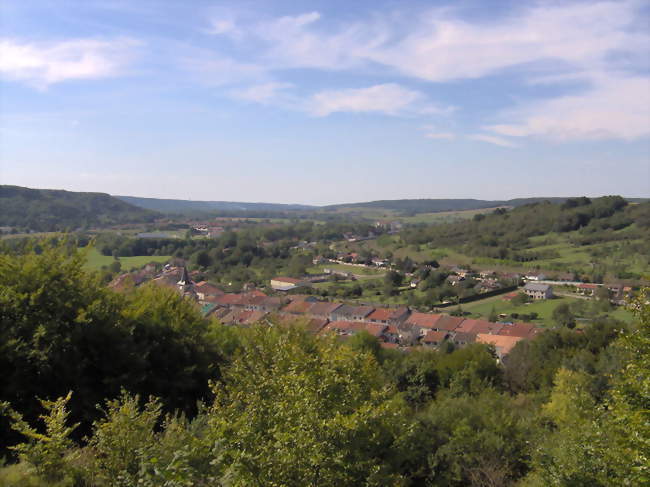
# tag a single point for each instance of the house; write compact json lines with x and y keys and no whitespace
{"x":313,"y":325}
{"x":319,"y":259}
{"x":267,"y":304}
{"x":351,"y":313}
{"x":460,"y":339}
{"x":534,"y":276}
{"x":286,"y":283}
{"x":297,"y":307}
{"x":587,"y":289}
{"x":388,"y":315}
{"x":323,"y":309}
{"x":434,"y":338}
{"x":392,"y":334}
{"x":487,"y":285}
{"x":520,"y":330}
{"x":448,"y":323}
{"x":375,"y":329}
{"x":343,"y":327}
{"x":454,"y":279}
{"x":420,"y":323}
{"x":475,"y":327}
{"x":536,"y":290}
{"x":502,"y":344}
{"x":204,"y":289}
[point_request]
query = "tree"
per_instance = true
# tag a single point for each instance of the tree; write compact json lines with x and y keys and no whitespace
{"x":293,"y":411}
{"x":563,"y":316}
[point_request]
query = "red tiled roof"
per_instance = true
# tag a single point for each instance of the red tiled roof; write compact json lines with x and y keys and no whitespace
{"x":380,"y":314}
{"x":389,"y":345}
{"x":522,"y":330}
{"x":299,"y":307}
{"x":503,"y":344}
{"x":448,"y":322}
{"x":375,"y":329}
{"x":392,"y":329}
{"x":434,"y":336}
{"x":323,"y":308}
{"x":423,"y":320}
{"x":479,"y":326}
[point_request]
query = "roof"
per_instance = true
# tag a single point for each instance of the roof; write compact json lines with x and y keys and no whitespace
{"x":423,"y":320}
{"x":389,"y":345}
{"x":433,"y":336}
{"x":229,"y":299}
{"x":522,"y":330}
{"x":503,"y":344}
{"x":534,"y":286}
{"x":375,"y":329}
{"x":323,"y":308}
{"x":479,"y":326}
{"x":297,"y":307}
{"x":461,"y":337}
{"x":350,"y":311}
{"x":588,"y":286}
{"x":185,"y":277}
{"x":344,"y":326}
{"x":392,"y":329}
{"x":448,"y":322}
{"x":380,"y":314}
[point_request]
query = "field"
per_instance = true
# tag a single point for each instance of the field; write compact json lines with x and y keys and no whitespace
{"x":354,"y":269}
{"x":544,"y":308}
{"x":96,"y":260}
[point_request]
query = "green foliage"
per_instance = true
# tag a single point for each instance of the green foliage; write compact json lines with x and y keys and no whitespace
{"x":294,"y":411}
{"x":45,"y":451}
{"x":61,"y":330}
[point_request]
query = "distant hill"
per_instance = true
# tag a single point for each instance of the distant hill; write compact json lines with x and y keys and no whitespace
{"x":438,"y":205}
{"x":185,"y":206}
{"x":51,"y":210}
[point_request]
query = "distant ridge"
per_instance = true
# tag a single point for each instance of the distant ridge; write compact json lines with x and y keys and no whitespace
{"x":55,"y":209}
{"x":181,"y":206}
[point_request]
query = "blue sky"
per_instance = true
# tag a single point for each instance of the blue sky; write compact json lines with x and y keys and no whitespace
{"x":326,"y":101}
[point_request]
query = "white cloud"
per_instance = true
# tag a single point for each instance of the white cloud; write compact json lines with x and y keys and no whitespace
{"x":261,"y":93}
{"x":615,"y":107}
{"x":492,"y":139}
{"x":386,"y":98}
{"x":440,"y":135}
{"x":547,"y":42}
{"x":43,"y":64}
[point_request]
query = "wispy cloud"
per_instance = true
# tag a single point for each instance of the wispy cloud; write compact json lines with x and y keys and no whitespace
{"x":43,"y":64}
{"x":262,"y":93}
{"x":387,"y":98}
{"x":492,"y":139}
{"x":615,"y":107}
{"x":440,"y":135}
{"x":552,"y":43}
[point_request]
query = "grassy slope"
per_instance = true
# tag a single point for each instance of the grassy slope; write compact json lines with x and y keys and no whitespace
{"x":96,"y":260}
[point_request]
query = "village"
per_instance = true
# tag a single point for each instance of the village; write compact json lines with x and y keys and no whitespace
{"x":395,"y":327}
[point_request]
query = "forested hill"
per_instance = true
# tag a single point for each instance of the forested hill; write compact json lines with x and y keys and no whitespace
{"x":185,"y":206}
{"x":414,"y":206}
{"x":52,"y":210}
{"x":505,"y":234}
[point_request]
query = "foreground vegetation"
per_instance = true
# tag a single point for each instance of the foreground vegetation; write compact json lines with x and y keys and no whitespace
{"x":184,"y":401}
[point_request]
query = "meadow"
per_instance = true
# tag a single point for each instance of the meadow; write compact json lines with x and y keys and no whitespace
{"x":95,"y":260}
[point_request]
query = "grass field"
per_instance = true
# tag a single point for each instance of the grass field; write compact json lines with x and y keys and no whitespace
{"x":96,"y":260}
{"x":357,"y":270}
{"x":544,"y":308}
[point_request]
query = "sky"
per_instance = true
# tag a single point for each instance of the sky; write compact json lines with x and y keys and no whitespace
{"x":322,"y":102}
